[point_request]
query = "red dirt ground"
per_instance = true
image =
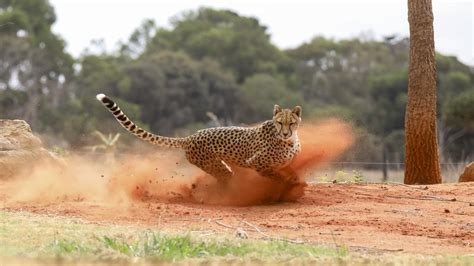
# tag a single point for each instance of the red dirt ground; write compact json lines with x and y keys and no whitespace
{"x":436,"y":219}
{"x":163,"y":192}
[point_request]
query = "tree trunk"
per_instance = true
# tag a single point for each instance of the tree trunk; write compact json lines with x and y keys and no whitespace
{"x":421,"y":161}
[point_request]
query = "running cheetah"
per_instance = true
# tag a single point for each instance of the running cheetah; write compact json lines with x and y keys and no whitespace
{"x":266,"y":148}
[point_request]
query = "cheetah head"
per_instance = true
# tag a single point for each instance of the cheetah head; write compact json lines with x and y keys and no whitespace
{"x":286,"y":121}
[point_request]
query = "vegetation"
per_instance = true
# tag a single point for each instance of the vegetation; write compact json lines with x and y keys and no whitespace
{"x":217,"y":61}
{"x":28,"y":238}
{"x":20,"y":234}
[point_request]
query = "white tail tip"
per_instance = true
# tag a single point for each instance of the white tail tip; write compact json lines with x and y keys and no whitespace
{"x":100,"y":96}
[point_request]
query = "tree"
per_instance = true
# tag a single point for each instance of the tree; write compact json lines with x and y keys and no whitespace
{"x":261,"y":92}
{"x":98,"y":74}
{"x":139,"y":39}
{"x":421,"y":144}
{"x":330,"y":71}
{"x":33,"y":59}
{"x":175,"y":91}
{"x":387,"y":113}
{"x":240,"y":44}
{"x":458,"y":126}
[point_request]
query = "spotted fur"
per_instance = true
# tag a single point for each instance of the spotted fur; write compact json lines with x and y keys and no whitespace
{"x":265,"y":148}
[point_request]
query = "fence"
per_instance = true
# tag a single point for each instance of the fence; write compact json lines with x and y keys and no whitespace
{"x":386,"y":171}
{"x":334,"y":170}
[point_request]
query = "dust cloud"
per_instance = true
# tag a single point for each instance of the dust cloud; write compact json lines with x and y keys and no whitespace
{"x":167,"y":177}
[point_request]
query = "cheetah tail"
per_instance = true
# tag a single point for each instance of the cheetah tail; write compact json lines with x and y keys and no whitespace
{"x":135,"y":130}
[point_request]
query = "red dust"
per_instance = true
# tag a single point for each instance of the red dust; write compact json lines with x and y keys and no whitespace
{"x":162,"y":178}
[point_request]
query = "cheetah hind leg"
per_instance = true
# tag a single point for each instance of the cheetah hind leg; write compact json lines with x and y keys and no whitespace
{"x":217,"y":168}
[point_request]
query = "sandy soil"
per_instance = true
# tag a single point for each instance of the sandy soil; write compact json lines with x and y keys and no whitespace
{"x":437,"y":219}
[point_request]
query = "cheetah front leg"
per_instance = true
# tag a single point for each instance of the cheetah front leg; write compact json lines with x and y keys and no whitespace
{"x":258,"y":163}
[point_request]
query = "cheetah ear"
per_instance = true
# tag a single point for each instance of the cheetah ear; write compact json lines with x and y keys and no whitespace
{"x":276,"y":109}
{"x":297,"y":110}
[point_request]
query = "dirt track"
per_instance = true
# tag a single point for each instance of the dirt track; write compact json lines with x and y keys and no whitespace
{"x":436,"y":219}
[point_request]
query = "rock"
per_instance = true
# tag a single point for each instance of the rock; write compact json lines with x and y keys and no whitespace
{"x":468,"y":174}
{"x":6,"y":145}
{"x":20,"y":150}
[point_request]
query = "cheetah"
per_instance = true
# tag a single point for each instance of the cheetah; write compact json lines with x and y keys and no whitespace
{"x":266,"y":148}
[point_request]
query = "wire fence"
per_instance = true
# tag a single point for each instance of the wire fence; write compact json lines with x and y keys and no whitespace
{"x":368,"y":163}
{"x":388,"y":163}
{"x":369,"y":171}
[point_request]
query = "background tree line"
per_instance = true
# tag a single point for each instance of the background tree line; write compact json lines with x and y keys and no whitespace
{"x":221,"y":62}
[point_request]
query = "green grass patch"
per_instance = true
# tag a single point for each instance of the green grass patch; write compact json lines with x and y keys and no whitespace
{"x":26,"y":237}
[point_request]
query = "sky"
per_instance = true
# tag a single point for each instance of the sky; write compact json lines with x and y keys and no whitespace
{"x":290,"y":23}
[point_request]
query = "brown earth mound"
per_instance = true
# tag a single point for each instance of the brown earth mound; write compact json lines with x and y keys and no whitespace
{"x":468,"y":174}
{"x":20,"y":149}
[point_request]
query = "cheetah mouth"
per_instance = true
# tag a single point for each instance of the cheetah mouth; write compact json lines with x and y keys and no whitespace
{"x":283,"y":137}
{"x":287,"y":139}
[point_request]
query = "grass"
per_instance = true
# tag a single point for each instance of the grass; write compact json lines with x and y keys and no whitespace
{"x":30,"y":238}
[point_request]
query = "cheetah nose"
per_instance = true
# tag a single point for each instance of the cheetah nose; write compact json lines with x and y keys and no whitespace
{"x":286,"y":134}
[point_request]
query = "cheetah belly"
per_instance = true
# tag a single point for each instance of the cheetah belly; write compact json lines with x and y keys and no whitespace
{"x":237,"y":154}
{"x":232,"y":145}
